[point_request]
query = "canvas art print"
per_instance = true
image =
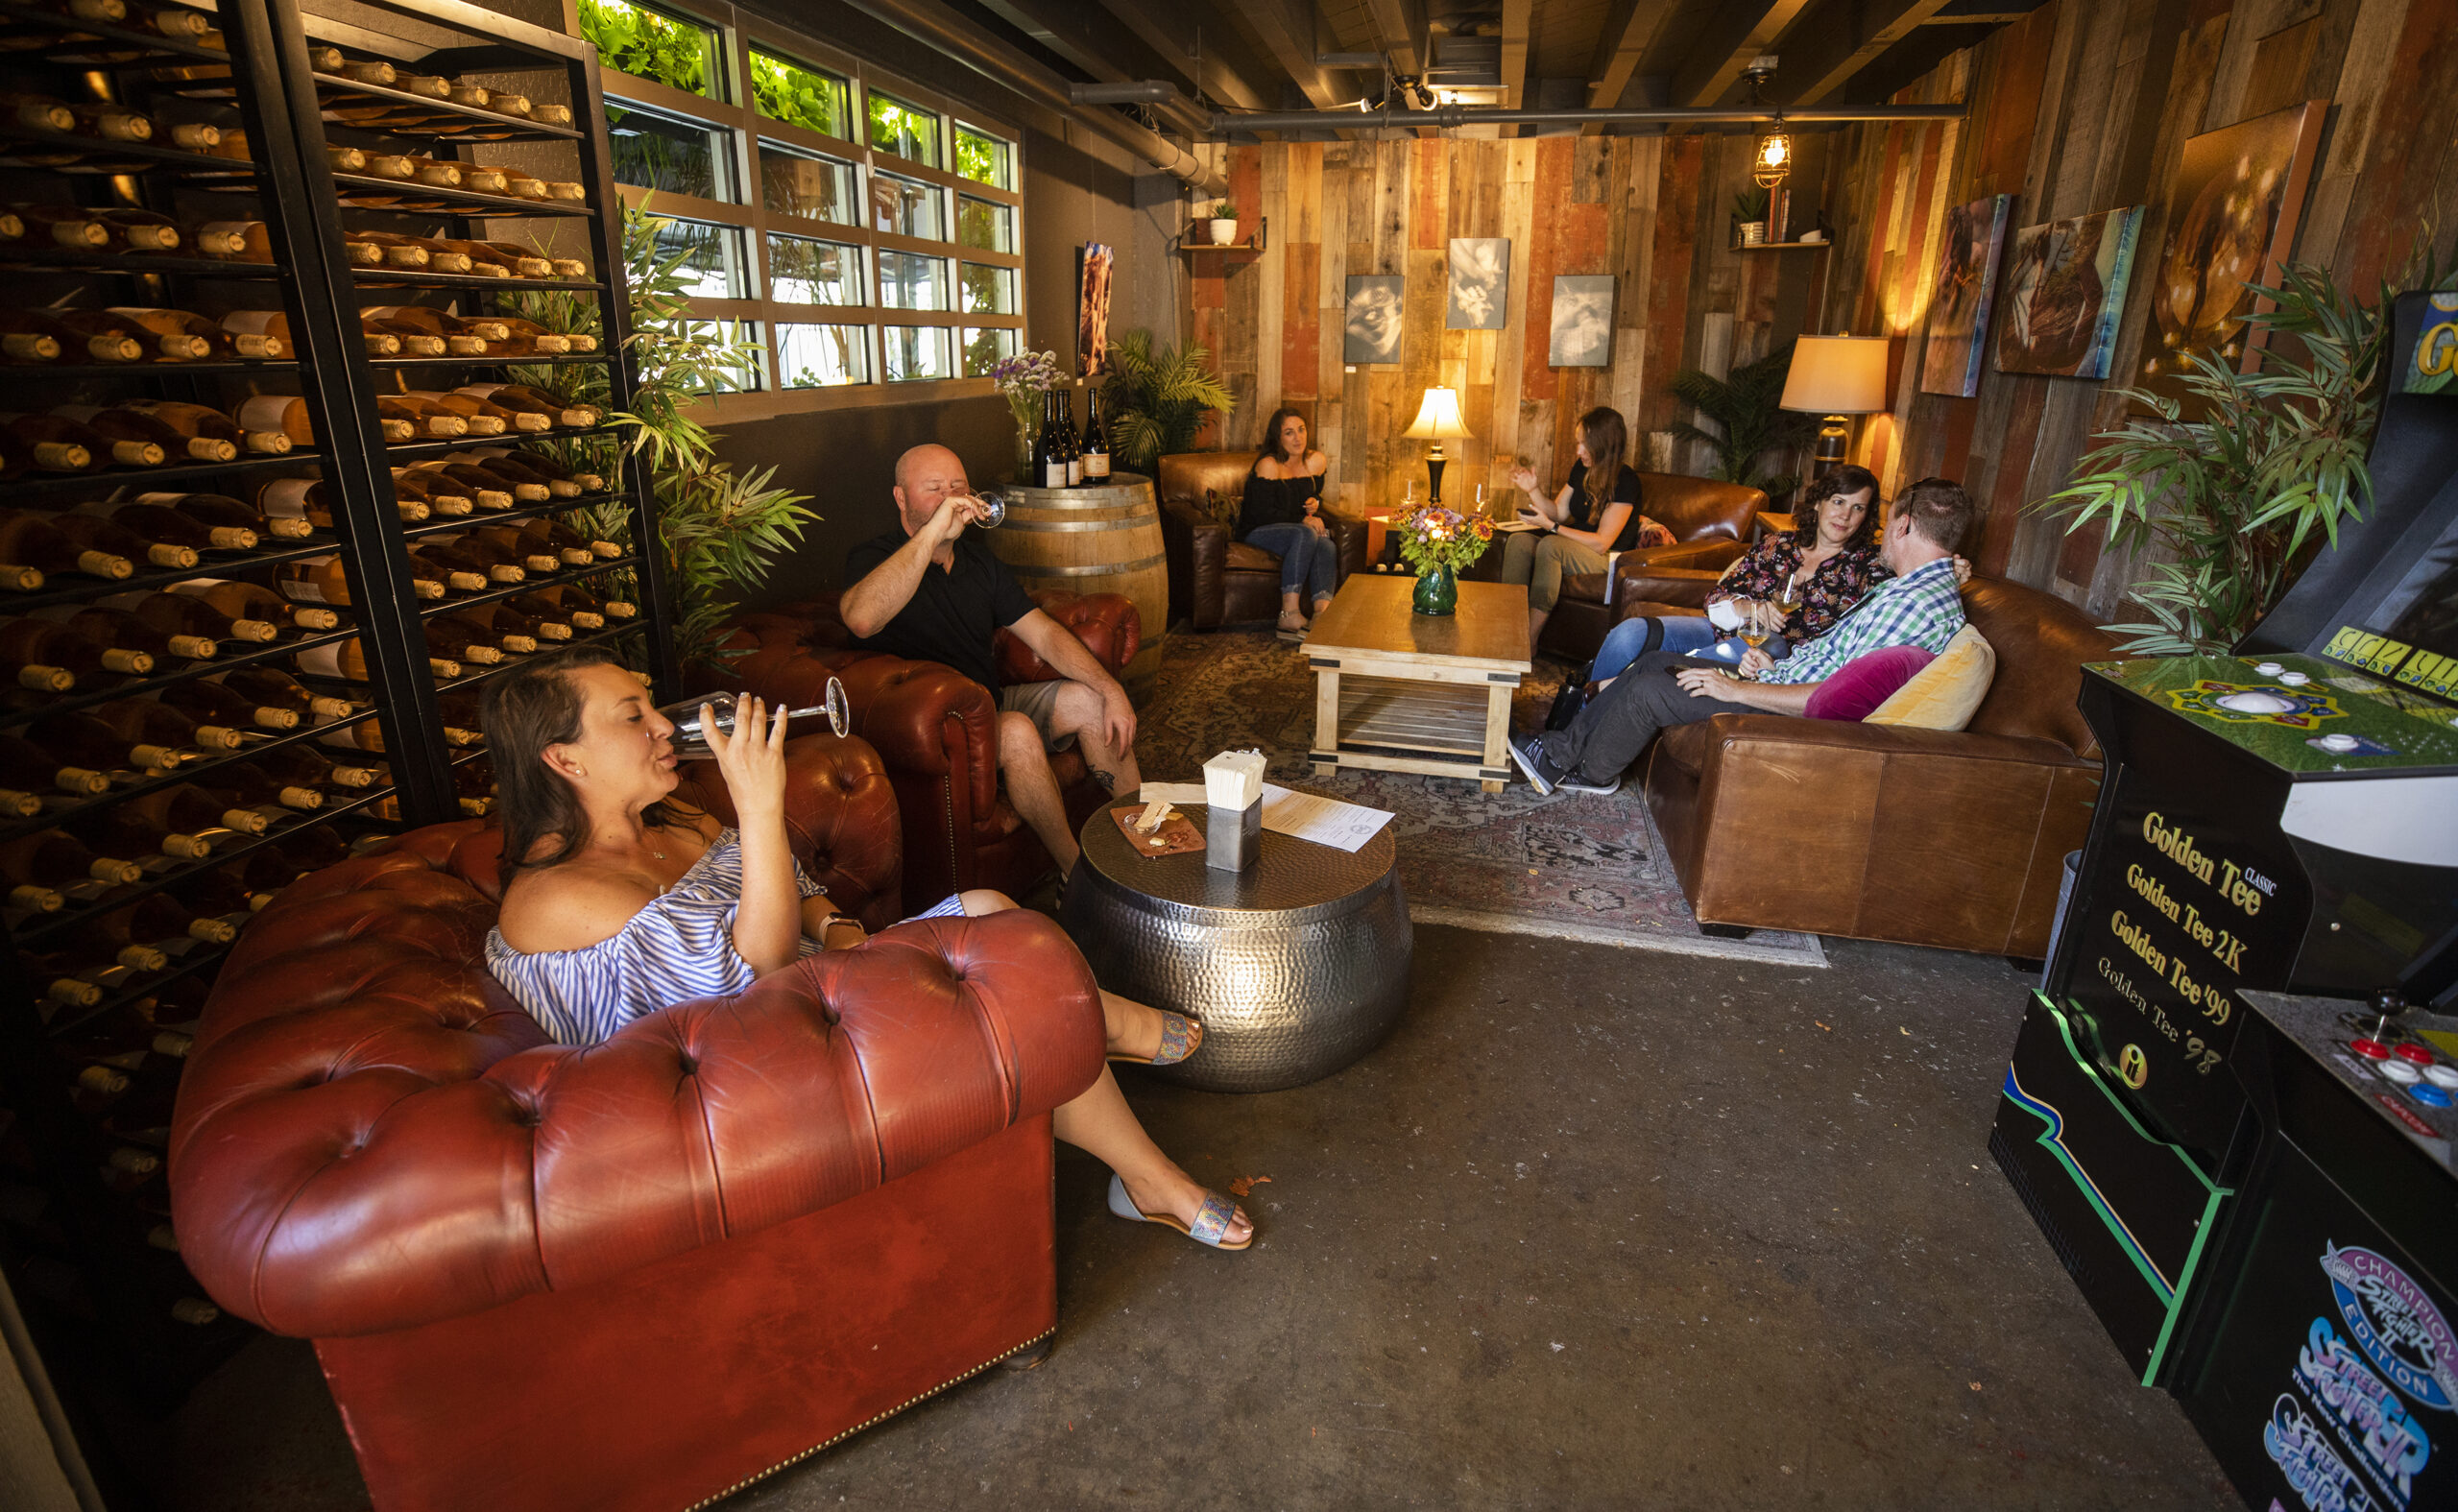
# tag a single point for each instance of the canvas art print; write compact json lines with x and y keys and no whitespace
{"x":1966,"y":282}
{"x":2432,"y":366}
{"x":1480,"y":283}
{"x":1582,"y":326}
{"x":2231,"y":222}
{"x":2064,"y":291}
{"x":1371,"y":327}
{"x":1092,"y":264}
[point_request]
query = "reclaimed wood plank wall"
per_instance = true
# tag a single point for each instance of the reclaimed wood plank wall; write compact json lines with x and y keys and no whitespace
{"x":1651,"y":211}
{"x":2081,"y":108}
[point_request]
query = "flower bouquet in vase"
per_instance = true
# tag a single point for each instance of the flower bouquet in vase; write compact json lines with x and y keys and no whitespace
{"x":1437,"y":543}
{"x":1022,"y":380}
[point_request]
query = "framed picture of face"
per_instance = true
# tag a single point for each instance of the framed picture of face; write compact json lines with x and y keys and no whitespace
{"x":1583,"y":324}
{"x":2233,"y":211}
{"x":1370,"y":329}
{"x":2064,"y":291}
{"x":1966,"y":283}
{"x":1480,"y":283}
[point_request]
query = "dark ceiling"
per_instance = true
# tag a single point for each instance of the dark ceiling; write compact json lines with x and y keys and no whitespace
{"x":1284,"y":55}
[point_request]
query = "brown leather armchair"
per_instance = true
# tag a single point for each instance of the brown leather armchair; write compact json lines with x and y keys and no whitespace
{"x":1949,"y":838}
{"x":937,"y":731}
{"x":1214,"y":580}
{"x":638,"y":1276}
{"x":1711,"y":524}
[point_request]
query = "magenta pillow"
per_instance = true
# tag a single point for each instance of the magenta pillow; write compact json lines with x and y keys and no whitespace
{"x":1865,"y":682}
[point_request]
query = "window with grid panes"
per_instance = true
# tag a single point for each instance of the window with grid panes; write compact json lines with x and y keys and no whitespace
{"x":864,"y":231}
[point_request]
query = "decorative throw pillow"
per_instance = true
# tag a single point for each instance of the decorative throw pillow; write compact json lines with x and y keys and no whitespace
{"x":1223,"y":511}
{"x":1867,"y":682}
{"x":1946,"y":693}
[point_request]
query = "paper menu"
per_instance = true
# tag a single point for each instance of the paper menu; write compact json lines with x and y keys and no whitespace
{"x":1325,"y":820}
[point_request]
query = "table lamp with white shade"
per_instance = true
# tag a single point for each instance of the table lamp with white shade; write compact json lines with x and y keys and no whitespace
{"x":1437,"y":421}
{"x":1837,"y":377}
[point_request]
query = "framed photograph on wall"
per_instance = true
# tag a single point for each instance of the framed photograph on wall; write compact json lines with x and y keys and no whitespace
{"x":1480,"y":283}
{"x":2233,"y":212}
{"x":1966,"y":282}
{"x":2064,"y":291}
{"x":1370,"y":325}
{"x":1583,"y":324}
{"x":1092,"y":261}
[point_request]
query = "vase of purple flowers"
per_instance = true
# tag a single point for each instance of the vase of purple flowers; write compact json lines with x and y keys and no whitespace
{"x":1022,"y":380}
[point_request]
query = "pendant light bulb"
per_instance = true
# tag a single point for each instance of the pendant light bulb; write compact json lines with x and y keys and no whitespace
{"x":1773,"y":162}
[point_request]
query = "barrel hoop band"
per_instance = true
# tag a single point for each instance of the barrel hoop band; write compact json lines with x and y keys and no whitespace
{"x":1046,"y":527}
{"x":1098,"y":570}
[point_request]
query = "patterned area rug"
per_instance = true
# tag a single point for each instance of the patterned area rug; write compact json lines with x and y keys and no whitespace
{"x":1573,"y":866}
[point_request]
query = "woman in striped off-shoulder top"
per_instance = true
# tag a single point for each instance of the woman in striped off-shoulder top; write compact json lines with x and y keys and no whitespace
{"x":618,"y":903}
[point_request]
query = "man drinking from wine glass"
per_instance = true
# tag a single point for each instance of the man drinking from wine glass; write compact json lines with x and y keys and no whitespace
{"x":1922,"y":605}
{"x":931,"y":590}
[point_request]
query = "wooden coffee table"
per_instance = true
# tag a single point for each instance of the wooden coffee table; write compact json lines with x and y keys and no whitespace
{"x":1399,"y":691}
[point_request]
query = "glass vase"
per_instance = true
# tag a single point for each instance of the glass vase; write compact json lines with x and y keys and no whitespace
{"x":1022,"y":405}
{"x":1437,"y":592}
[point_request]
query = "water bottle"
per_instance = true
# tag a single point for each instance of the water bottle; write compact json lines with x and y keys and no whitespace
{"x":691,"y":743}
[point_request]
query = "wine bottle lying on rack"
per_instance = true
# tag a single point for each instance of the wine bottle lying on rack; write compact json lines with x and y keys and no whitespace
{"x":244,"y":611}
{"x":570,"y":412}
{"x":27,"y":770}
{"x":31,"y":546}
{"x":68,"y":345}
{"x":204,"y":421}
{"x":347,"y":659}
{"x":229,"y":524}
{"x":215,"y":704}
{"x":128,"y":426}
{"x":549,"y":469}
{"x":274,"y":688}
{"x":94,"y":533}
{"x":43,"y":654}
{"x":138,"y":231}
{"x":117,"y":629}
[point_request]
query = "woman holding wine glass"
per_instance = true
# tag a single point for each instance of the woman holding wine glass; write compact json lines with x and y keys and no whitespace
{"x":1811,"y":575}
{"x":1281,"y":511}
{"x":620,"y":901}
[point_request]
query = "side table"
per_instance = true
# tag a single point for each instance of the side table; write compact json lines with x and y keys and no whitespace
{"x":1296,"y":968}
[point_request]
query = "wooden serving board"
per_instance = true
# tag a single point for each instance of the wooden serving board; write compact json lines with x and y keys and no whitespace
{"x":1176,"y":833}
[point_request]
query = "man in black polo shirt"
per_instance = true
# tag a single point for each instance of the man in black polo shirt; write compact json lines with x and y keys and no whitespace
{"x":932,"y":592}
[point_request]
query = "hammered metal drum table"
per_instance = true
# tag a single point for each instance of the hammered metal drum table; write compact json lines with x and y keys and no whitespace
{"x":1296,"y":967}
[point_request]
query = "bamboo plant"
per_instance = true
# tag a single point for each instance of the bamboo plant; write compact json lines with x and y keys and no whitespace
{"x":2228,"y":507}
{"x":721,"y":530}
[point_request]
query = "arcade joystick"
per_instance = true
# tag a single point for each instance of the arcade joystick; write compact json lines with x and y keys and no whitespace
{"x":2371,"y":1049}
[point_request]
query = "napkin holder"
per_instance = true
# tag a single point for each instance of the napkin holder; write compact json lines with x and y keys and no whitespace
{"x":1233,"y":833}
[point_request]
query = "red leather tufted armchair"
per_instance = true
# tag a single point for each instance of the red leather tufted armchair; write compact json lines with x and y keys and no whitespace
{"x":937,"y":731}
{"x":638,"y":1275}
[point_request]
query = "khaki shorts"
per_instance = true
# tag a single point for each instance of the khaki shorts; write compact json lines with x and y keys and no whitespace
{"x":1038,"y":702}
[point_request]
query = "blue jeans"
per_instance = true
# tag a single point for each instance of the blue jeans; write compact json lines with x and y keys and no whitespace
{"x":1307,"y":560}
{"x":1688,"y":635}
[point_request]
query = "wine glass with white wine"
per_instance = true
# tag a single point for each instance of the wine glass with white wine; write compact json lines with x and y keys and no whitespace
{"x":1760,"y":624}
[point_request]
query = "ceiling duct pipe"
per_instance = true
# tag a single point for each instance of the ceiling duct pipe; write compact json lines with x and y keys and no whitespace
{"x":1174,"y":108}
{"x":1447,"y":116}
{"x":937,"y":26}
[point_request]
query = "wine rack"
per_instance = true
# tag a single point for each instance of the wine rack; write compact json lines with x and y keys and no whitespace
{"x":347,"y":585}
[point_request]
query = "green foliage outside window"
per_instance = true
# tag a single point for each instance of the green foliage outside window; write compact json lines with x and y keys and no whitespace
{"x":902,"y":130}
{"x":796,"y":95}
{"x":647,"y":45}
{"x":983,"y":159}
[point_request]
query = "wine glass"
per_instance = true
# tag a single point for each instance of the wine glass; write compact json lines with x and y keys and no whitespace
{"x":994,"y":509}
{"x":1760,"y":624}
{"x":691,"y":743}
{"x":1481,"y":499}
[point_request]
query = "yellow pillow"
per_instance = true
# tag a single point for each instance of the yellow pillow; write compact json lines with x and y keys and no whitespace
{"x":1946,"y":693}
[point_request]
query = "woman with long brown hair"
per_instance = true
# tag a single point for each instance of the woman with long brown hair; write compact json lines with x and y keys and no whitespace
{"x":1282,"y":511}
{"x":620,"y":901}
{"x":1595,"y":514}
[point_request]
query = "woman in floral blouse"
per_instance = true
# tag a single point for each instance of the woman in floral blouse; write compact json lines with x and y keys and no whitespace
{"x":1831,"y":554}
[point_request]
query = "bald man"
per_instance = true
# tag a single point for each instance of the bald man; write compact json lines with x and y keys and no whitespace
{"x":929,"y":591}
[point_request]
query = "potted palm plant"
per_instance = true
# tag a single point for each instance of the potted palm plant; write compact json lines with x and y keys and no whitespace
{"x":1223,"y":225}
{"x":1156,"y":403}
{"x":1745,"y":407}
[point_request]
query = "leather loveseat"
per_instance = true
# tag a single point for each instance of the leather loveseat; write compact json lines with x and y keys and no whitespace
{"x":1952,"y":838}
{"x":1214,"y":580}
{"x":1712,"y":524}
{"x":937,"y":731}
{"x":639,"y":1275}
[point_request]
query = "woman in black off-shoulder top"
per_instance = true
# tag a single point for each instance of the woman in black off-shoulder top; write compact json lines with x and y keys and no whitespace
{"x":1281,"y":512}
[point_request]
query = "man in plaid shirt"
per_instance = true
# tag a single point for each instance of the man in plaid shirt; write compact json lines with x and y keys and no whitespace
{"x":1920,"y":606}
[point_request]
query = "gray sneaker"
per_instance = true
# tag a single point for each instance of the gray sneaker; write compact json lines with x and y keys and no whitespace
{"x":1573,"y":783}
{"x":1527,"y":753}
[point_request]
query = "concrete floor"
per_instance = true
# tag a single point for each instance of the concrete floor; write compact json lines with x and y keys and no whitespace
{"x":1596,"y":1228}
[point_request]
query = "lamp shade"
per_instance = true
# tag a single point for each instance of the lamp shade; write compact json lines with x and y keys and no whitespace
{"x":1439,"y":416}
{"x":1837,"y":375}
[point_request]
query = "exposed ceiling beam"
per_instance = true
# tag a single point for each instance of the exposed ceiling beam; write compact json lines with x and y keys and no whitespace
{"x":1739,"y":31}
{"x":1067,"y":31}
{"x":1843,"y":39}
{"x":1216,"y":76}
{"x":1398,"y":27}
{"x":1287,"y":31}
{"x":1630,"y":30}
{"x":1515,"y":17}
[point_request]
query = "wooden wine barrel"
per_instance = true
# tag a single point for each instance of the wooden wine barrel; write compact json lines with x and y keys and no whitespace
{"x":1094,"y":540}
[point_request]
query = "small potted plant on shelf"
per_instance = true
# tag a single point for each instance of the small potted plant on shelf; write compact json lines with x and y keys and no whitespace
{"x":1749,"y":214}
{"x":1223,"y":225}
{"x":1437,"y":543}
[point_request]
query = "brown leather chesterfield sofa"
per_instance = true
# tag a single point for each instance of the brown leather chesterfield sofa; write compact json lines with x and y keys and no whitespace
{"x":635,"y":1277}
{"x":1712,"y":524}
{"x":1214,"y":580}
{"x":937,"y":731}
{"x":1952,"y":838}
